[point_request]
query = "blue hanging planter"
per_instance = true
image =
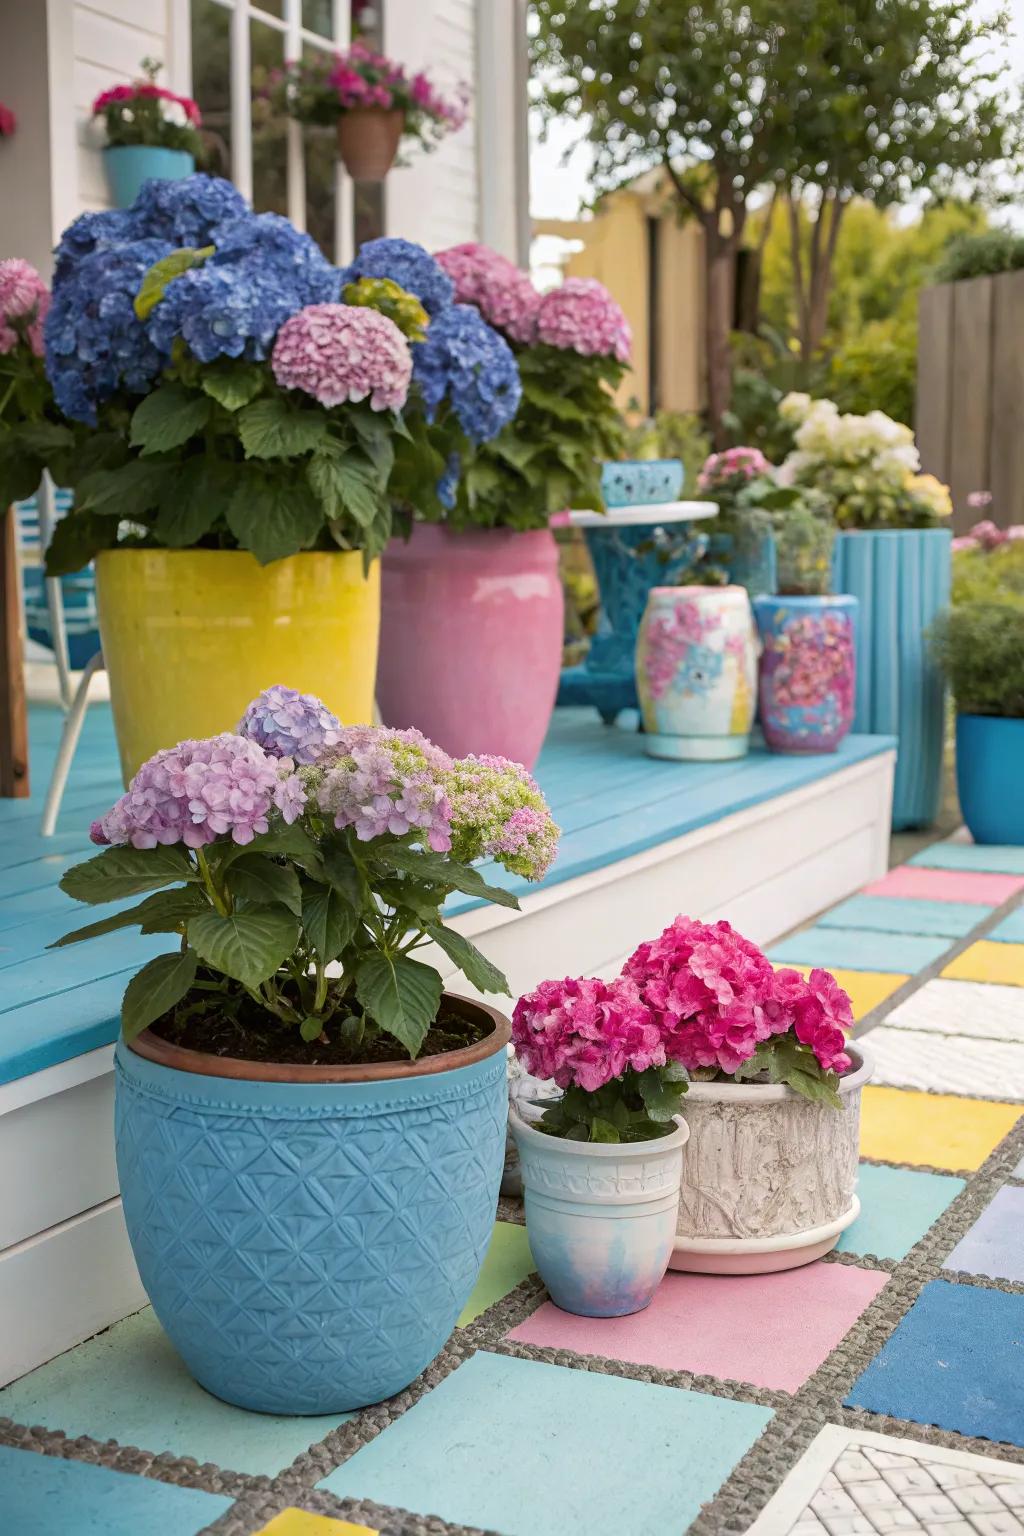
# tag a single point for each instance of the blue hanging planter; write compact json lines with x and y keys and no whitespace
{"x":129,"y":165}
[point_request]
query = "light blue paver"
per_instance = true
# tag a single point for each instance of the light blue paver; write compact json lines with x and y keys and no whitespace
{"x":897,"y":1206}
{"x":988,"y":858}
{"x":899,"y":914}
{"x":48,"y":1496}
{"x":1010,"y":930}
{"x":858,"y":949}
{"x":532,"y":1449}
{"x":994,"y":1246}
{"x":129,"y":1384}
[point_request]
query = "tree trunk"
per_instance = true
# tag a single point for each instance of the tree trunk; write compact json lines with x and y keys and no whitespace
{"x":812,"y":284}
{"x":720,"y":277}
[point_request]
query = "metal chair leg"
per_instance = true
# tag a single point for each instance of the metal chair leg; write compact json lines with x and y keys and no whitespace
{"x":68,"y":742}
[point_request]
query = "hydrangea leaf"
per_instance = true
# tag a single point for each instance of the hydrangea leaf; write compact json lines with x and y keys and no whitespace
{"x":273,"y":516}
{"x":119,"y":872}
{"x":476,"y":967}
{"x":192,"y":500}
{"x":273,"y":429}
{"x":20,"y":470}
{"x":128,"y":492}
{"x":438,"y":869}
{"x":77,"y":540}
{"x":232,"y":384}
{"x":329,"y":920}
{"x":163,"y":912}
{"x":167,"y":418}
{"x":399,"y":994}
{"x":154,"y":284}
{"x":345,"y":483}
{"x":661,"y":1098}
{"x":249,"y":946}
{"x":294,"y":842}
{"x":155,"y":989}
{"x":253,"y":877}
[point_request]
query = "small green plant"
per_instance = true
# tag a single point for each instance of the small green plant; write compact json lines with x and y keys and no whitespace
{"x":980,"y":647}
{"x":984,"y":575}
{"x":986,"y":255}
{"x":805,"y":533}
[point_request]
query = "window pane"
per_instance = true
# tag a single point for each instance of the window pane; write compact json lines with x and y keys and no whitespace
{"x":269,"y":131}
{"x":318,"y":16}
{"x":272,"y":7}
{"x":211,"y":81}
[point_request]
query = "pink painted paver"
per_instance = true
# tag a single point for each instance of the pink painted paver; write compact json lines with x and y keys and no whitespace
{"x":920,"y":884}
{"x":772,"y":1331}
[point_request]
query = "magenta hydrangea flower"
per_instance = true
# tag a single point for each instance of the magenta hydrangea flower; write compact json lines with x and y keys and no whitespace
{"x":581,"y":316}
{"x":224,"y":786}
{"x":586,"y":1032}
{"x":24,"y":302}
{"x":498,"y":812}
{"x":821,"y":1013}
{"x":287,"y":723}
{"x":384,"y":781}
{"x":501,"y":291}
{"x":340,"y":352}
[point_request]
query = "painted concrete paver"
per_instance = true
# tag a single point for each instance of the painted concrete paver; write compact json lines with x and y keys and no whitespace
{"x":49,"y":1496}
{"x":960,"y":1008}
{"x":897,"y":1207}
{"x":988,"y":961}
{"x":899,"y":914}
{"x":916,"y":884}
{"x":912,"y":1058}
{"x":932,"y":1130}
{"x":859,"y":949}
{"x":994,"y":1246}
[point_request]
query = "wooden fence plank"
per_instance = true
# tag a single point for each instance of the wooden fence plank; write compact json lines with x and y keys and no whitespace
{"x":1006,"y":451}
{"x":934,"y":374}
{"x":971,"y":368}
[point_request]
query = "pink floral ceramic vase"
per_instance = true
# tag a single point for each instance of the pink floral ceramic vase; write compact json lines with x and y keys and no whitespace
{"x":808,"y":671}
{"x":696,"y":672}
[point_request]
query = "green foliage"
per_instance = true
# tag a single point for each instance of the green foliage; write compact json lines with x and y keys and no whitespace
{"x":801,"y":520}
{"x":981,"y":575}
{"x":670,"y":435}
{"x":164,"y":271}
{"x":876,"y":370}
{"x":638,"y":1106}
{"x":983,"y":255}
{"x":140,"y":120}
{"x":782,"y":1059}
{"x":155,"y":989}
{"x":980,"y":646}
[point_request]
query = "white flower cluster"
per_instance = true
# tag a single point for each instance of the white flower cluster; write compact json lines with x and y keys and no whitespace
{"x":825,"y":439}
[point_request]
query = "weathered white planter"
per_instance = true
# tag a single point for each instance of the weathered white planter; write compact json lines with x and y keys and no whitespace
{"x":769,"y":1181}
{"x":601,"y":1218}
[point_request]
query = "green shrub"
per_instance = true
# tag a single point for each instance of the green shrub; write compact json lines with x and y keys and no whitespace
{"x":671,"y":435}
{"x":876,"y":370}
{"x":997,"y":250}
{"x":980,"y":647}
{"x":984,"y":574}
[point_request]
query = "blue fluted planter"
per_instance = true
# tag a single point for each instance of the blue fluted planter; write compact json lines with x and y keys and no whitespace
{"x":129,"y":165}
{"x":902,"y":580}
{"x":309,"y":1247}
{"x":989,"y":775}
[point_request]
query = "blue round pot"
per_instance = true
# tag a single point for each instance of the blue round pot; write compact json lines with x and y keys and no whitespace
{"x":309,"y":1246}
{"x":641,"y":482}
{"x":989,"y":775}
{"x":129,"y":165}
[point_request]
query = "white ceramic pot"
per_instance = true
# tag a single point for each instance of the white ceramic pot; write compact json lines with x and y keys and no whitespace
{"x":696,"y":672}
{"x":601,"y":1217}
{"x":770,"y":1178}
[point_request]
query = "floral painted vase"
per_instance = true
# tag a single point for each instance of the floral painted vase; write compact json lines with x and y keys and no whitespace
{"x":696,"y":671}
{"x":808,"y":671}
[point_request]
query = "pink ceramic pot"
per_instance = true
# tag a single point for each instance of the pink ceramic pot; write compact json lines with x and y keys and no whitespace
{"x":471,"y":638}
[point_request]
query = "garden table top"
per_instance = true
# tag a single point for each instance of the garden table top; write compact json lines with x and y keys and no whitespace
{"x":652,"y":512}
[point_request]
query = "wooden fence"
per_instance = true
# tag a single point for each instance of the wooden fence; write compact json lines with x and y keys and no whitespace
{"x":970,"y":393}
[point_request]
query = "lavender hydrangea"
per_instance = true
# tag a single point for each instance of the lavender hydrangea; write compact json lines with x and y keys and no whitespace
{"x":225,"y":786}
{"x":290,"y":724}
{"x":409,"y":265}
{"x":467,"y":363}
{"x":385,"y":781}
{"x":498,"y":812}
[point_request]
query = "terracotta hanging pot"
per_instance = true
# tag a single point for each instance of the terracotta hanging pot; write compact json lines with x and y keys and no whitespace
{"x":368,"y":139}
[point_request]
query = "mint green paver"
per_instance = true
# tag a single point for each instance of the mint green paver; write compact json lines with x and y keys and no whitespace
{"x":898,"y":1205}
{"x":508,"y":1262}
{"x":129,"y":1385}
{"x":48,"y":1496}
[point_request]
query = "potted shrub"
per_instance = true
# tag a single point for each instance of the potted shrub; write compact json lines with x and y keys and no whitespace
{"x":696,"y":672}
{"x":980,"y":647}
{"x":309,"y":1131}
{"x":893,"y":554}
{"x":373,"y":103}
{"x":150,"y":133}
{"x":473,"y":594}
{"x":772,"y":1103}
{"x":234,"y":483}
{"x":30,"y":426}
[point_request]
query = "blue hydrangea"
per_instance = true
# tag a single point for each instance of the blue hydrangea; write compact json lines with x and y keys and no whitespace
{"x":186,"y":212}
{"x":262,"y":272}
{"x":93,"y":232}
{"x":94,"y":342}
{"x":408,"y":265}
{"x":449,"y":481}
{"x":468,"y":364}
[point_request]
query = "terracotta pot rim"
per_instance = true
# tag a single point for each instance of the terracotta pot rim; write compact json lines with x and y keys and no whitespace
{"x":772,"y":1093}
{"x":203,"y":1063}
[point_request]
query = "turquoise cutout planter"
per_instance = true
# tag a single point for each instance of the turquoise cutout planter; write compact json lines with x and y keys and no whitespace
{"x":308,"y":1247}
{"x":989,"y":775}
{"x":641,"y":482}
{"x":902,"y":580}
{"x":129,"y":165}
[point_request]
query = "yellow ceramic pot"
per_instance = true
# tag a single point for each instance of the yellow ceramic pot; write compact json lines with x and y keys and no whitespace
{"x":191,"y":635}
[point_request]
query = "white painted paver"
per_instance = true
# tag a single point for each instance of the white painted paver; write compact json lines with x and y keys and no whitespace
{"x":977,"y":1008}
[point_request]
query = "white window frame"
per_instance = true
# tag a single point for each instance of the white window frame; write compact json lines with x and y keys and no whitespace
{"x":290,"y":26}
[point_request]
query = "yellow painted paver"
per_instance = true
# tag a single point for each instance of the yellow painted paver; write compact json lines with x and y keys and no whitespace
{"x":934,"y":1130}
{"x":989,"y":961}
{"x":866,"y":988}
{"x":300,"y":1522}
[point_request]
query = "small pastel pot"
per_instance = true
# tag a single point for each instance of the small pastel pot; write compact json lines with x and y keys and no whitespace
{"x":601,"y":1218}
{"x":696,"y":672}
{"x":989,"y":774}
{"x":128,"y":166}
{"x":808,"y":673}
{"x":641,"y":482}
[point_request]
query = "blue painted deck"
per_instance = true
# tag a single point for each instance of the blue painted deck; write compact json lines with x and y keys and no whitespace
{"x":610,"y":799}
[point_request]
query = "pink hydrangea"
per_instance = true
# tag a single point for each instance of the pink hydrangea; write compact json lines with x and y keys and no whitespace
{"x":820,"y":1012}
{"x":581,"y":316}
{"x":501,"y":292}
{"x":498,"y":812}
{"x":384,"y":781}
{"x":585,"y":1033}
{"x":24,"y":302}
{"x":734,"y":464}
{"x":340,"y":352}
{"x":223,"y":786}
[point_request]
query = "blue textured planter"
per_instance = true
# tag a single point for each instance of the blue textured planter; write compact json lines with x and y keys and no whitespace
{"x":308,"y":1247}
{"x":129,"y":165}
{"x":902,"y":579}
{"x":989,"y":775}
